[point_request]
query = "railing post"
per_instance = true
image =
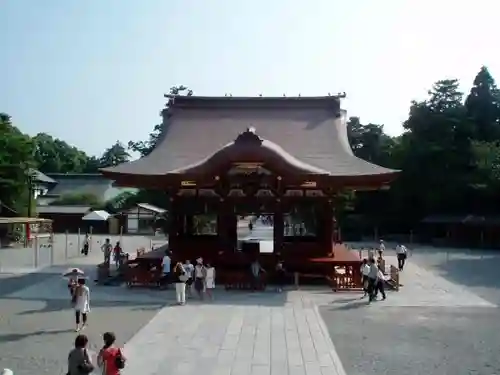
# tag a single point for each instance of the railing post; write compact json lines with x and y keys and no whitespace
{"x":90,"y":239}
{"x":78,"y":243}
{"x":51,"y":245}
{"x":37,"y":254}
{"x":66,"y":245}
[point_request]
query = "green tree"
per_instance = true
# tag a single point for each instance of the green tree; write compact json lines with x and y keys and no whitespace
{"x":144,"y":148}
{"x":483,"y":106}
{"x":92,"y":165}
{"x":369,"y":142}
{"x":79,"y":199}
{"x":16,"y":159}
{"x":53,"y":155}
{"x":114,"y":155}
{"x":436,"y":154}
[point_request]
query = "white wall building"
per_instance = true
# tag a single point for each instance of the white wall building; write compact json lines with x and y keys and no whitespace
{"x":140,"y":219}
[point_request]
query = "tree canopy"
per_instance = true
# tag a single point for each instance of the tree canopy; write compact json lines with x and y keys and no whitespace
{"x":448,"y":154}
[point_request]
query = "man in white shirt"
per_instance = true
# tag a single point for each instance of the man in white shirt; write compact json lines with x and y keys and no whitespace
{"x":372,"y":279}
{"x":381,"y":246}
{"x":365,"y":270}
{"x":106,"y":249}
{"x":402,"y":254}
{"x":165,"y":264}
{"x":189,"y":269}
{"x":380,"y":285}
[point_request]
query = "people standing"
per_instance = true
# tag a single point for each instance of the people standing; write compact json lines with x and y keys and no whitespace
{"x":199,"y":277}
{"x":372,"y":279}
{"x":189,"y":268}
{"x":82,"y":304}
{"x":79,"y":361}
{"x":380,"y":285}
{"x":180,"y":279}
{"x":110,"y":358}
{"x":117,"y":254}
{"x":106,"y":249}
{"x":209,"y":280}
{"x":381,"y":247}
{"x":256,"y":271}
{"x":86,"y":244}
{"x":166,"y":263}
{"x":280,"y":276}
{"x":402,"y":255}
{"x":365,"y":271}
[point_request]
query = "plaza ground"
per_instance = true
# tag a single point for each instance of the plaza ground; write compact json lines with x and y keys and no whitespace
{"x":443,"y":321}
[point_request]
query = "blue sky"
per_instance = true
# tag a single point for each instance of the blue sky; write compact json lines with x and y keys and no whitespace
{"x":91,"y":72}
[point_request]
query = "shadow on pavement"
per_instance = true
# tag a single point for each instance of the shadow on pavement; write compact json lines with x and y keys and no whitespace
{"x":61,"y":305}
{"x":472,"y":271}
{"x":9,"y":337}
{"x":12,"y":283}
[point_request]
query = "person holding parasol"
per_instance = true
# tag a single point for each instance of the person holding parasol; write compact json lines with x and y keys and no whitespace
{"x":73,"y":274}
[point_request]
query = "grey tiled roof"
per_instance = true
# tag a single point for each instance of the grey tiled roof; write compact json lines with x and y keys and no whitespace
{"x":94,"y":184}
{"x":312,"y":130}
{"x":150,"y":207}
{"x":63,"y":209}
{"x":40,"y":177}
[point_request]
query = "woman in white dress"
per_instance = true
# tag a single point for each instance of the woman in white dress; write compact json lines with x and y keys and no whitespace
{"x":209,"y":280}
{"x":82,"y":304}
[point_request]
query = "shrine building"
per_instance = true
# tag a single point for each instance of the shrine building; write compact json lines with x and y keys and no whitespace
{"x":220,"y":158}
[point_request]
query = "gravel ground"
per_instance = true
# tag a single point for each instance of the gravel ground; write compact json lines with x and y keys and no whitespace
{"x":425,"y":340}
{"x":416,"y":341}
{"x":37,"y":333}
{"x":35,"y":336}
{"x":66,"y":248}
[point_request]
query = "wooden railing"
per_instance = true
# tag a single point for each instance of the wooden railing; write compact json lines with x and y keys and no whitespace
{"x":345,"y":277}
{"x":394,"y":278}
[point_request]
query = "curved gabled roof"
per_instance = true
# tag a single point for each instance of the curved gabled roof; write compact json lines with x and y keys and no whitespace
{"x":306,"y":134}
{"x":249,"y":147}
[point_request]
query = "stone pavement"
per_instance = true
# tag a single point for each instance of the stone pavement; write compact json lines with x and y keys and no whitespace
{"x":65,"y":248}
{"x":237,"y":334}
{"x":423,"y":287}
{"x":242,"y":333}
{"x":256,"y":334}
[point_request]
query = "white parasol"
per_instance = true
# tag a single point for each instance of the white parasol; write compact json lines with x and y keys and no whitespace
{"x":74,"y":272}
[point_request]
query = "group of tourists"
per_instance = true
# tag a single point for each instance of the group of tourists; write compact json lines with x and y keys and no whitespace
{"x":108,"y":250}
{"x":373,"y":271}
{"x":189,"y":278}
{"x":110,"y":359}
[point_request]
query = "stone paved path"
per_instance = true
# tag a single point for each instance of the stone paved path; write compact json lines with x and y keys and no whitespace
{"x":265,"y":334}
{"x":238,"y":333}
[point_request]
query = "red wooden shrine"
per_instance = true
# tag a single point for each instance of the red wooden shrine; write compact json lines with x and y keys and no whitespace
{"x":219,"y":158}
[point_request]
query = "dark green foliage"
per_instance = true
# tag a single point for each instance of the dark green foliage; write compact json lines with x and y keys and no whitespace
{"x":449,"y":155}
{"x":79,"y":199}
{"x":16,"y":150}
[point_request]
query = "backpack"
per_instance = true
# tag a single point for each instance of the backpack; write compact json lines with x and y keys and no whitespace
{"x":119,"y":360}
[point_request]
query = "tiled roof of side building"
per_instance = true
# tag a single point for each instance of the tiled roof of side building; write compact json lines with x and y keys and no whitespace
{"x":81,"y":183}
{"x":63,"y":210}
{"x":311,"y":130}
